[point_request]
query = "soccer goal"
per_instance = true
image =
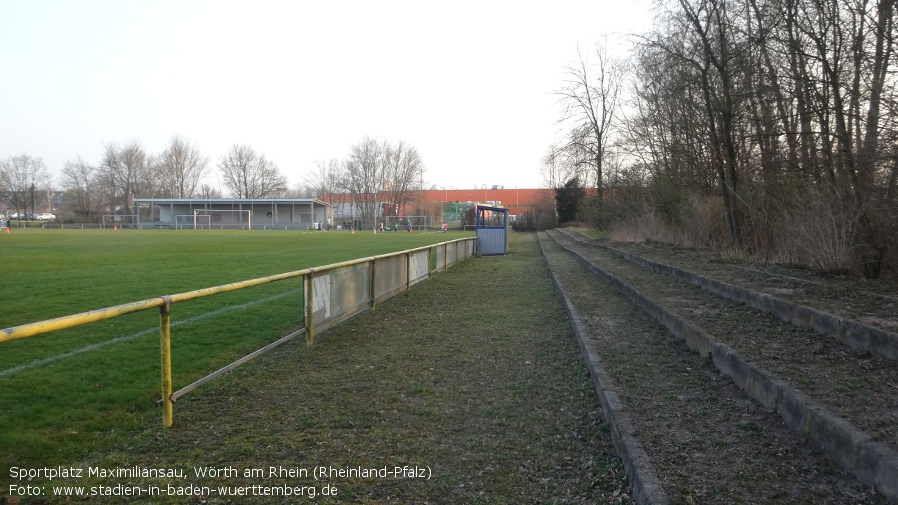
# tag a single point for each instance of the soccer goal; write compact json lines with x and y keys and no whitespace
{"x":121,"y":221}
{"x":193,"y":222}
{"x":419,"y":223}
{"x":206,"y":219}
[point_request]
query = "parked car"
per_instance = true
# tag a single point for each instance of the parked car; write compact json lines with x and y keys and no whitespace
{"x":16,"y":216}
{"x":44,"y":216}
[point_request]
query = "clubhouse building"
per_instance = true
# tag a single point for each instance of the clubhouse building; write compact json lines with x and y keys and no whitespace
{"x":234,"y":213}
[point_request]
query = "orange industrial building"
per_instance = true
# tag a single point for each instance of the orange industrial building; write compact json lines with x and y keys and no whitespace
{"x":498,"y":196}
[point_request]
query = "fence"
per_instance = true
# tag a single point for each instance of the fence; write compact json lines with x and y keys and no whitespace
{"x":331,"y":293}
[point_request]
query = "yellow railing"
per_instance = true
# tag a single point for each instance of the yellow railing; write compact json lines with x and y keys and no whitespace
{"x":164,"y":303}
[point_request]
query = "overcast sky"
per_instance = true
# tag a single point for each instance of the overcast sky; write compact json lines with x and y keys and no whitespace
{"x":469,"y":84}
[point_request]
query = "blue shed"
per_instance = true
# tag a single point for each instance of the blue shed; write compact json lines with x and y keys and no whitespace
{"x":492,"y":230}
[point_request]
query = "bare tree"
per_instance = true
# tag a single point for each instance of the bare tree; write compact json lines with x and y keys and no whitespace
{"x":79,"y":180}
{"x":207,"y":191}
{"x":126,"y":175}
{"x":767,"y":99}
{"x":854,"y":54}
{"x":23,"y":177}
{"x":590,"y":99}
{"x":365,"y":176}
{"x":180,"y":167}
{"x":251,"y":175}
{"x":666,"y":132}
{"x":550,"y":170}
{"x":108,"y":178}
{"x":379,"y":170}
{"x":711,"y":27}
{"x":326,"y":180}
{"x":403,"y":173}
{"x":301,"y":190}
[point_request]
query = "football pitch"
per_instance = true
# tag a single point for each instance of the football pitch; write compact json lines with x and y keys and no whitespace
{"x":62,"y":392}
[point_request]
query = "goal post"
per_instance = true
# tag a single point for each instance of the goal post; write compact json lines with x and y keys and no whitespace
{"x":120,"y":221}
{"x":419,"y":223}
{"x":211,"y":219}
{"x":193,"y":222}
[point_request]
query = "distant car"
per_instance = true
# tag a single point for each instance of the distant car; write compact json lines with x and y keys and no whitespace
{"x":16,"y":216}
{"x":44,"y":216}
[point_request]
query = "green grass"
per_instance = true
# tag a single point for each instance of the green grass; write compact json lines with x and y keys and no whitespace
{"x":599,"y":234}
{"x":59,"y":398}
{"x":49,"y":273}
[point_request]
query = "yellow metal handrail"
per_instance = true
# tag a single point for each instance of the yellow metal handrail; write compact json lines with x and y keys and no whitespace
{"x":163,"y":303}
{"x":61,"y":323}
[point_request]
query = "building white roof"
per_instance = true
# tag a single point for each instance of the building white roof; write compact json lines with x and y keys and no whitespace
{"x":231,"y":201}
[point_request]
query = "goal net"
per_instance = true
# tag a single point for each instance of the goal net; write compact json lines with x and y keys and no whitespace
{"x":120,"y":221}
{"x":203,"y":219}
{"x":192,"y":222}
{"x":419,"y":223}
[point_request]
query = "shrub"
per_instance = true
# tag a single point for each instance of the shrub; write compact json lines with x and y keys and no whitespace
{"x":821,"y":228}
{"x":646,"y":225}
{"x":701,"y":221}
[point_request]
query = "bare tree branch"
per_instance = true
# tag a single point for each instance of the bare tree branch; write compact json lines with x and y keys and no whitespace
{"x":251,"y":175}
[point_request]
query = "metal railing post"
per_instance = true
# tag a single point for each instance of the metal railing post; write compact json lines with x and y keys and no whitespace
{"x":165,"y":346}
{"x":408,"y":271}
{"x":310,"y":295}
{"x":373,"y":289}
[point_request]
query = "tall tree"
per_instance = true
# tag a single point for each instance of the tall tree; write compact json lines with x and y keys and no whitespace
{"x":181,"y":166}
{"x":79,"y":180}
{"x":569,"y":200}
{"x":550,"y":170}
{"x":326,"y":180}
{"x":251,"y":175}
{"x":590,"y":100}
{"x":854,"y":57}
{"x":126,"y":175}
{"x":403,"y":173}
{"x":208,"y":191}
{"x":23,"y":177}
{"x":768,"y":99}
{"x":709,"y":22}
{"x":365,"y":176}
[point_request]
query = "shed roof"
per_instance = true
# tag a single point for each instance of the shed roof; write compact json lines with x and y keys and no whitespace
{"x":230,"y":201}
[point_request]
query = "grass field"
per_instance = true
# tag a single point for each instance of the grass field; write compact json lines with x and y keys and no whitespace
{"x":473,"y":375}
{"x":62,"y":393}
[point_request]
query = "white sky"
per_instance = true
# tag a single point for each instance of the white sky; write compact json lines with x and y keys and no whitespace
{"x":468,"y":83}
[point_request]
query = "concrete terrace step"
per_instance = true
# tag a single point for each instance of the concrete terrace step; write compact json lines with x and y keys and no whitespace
{"x":872,"y":462}
{"x":857,"y":335}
